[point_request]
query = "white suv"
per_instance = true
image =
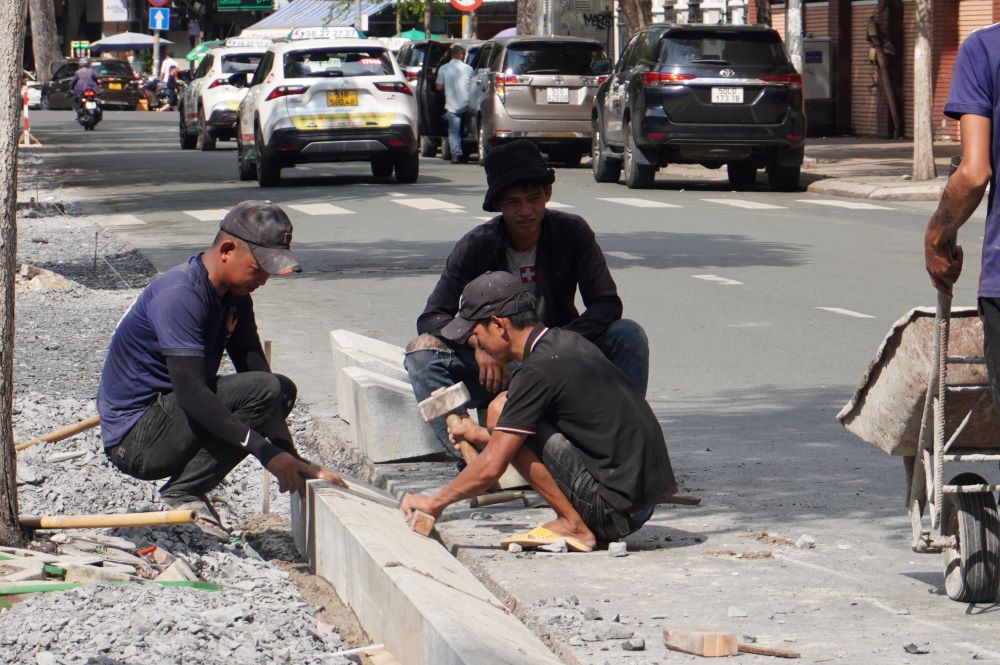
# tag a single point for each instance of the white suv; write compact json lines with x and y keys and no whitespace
{"x":315,"y":98}
{"x":208,"y":105}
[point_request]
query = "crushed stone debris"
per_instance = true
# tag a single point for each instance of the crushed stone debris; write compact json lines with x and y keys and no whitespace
{"x":258,"y":615}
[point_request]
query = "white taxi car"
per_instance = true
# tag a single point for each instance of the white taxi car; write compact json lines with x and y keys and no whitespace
{"x":209,"y":104}
{"x":317,"y":97}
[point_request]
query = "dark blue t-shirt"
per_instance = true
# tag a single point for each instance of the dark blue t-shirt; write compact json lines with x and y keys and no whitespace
{"x":975,"y":86}
{"x":178,"y":314}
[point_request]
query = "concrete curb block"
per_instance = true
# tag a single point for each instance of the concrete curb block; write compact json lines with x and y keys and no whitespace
{"x":860,"y":190}
{"x":407,"y":591}
{"x":385,"y":422}
{"x":354,"y":350}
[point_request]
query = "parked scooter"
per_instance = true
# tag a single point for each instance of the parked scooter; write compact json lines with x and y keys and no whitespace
{"x":88,"y":110}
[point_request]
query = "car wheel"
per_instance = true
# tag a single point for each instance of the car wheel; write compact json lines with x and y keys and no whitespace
{"x":268,"y":173}
{"x":45,"y":103}
{"x":482,"y":144}
{"x":407,"y":168}
{"x":246,"y":169}
{"x":637,"y":176}
{"x":446,"y":150}
{"x":428,"y":147}
{"x":381,"y":167}
{"x":205,"y":140}
{"x":741,"y":174}
{"x":187,"y":142}
{"x":784,"y":178}
{"x":605,"y":169}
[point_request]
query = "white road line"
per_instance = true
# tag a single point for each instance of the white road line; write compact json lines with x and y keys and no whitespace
{"x":321,"y":209}
{"x":743,"y":203}
{"x":485,"y":219}
{"x":846,"y":312}
{"x":396,"y":194}
{"x":640,"y":203}
{"x":426,"y":204}
{"x":851,"y":205}
{"x":556,"y":204}
{"x":624,"y":255}
{"x":455,"y":210}
{"x":108,"y":221}
{"x":207,"y":215}
{"x":724,"y":281}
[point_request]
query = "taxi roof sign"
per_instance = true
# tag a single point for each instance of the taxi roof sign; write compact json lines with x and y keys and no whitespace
{"x":247,"y":41}
{"x":329,"y":32}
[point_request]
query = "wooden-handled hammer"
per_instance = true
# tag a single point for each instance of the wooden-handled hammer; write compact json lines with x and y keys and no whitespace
{"x":445,"y":402}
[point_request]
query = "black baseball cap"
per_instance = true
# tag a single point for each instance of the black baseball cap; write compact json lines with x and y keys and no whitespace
{"x":267,"y":230}
{"x":491,"y":294}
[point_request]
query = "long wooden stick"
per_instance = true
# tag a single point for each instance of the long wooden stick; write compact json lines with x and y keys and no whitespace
{"x":265,"y":475}
{"x":61,"y":434}
{"x":99,"y":521}
{"x":766,"y":651}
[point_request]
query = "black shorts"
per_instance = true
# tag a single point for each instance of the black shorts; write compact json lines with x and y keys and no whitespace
{"x":563,"y":461}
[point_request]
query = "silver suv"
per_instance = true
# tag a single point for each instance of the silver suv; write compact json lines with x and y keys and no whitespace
{"x":536,"y":88}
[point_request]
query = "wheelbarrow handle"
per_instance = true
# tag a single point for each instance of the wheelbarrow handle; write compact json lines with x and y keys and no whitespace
{"x":943,"y":306}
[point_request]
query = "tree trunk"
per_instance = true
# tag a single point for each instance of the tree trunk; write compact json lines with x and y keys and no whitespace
{"x":923,"y":94}
{"x":428,"y":6}
{"x":763,"y":12}
{"x":527,"y":13}
{"x":44,"y":38}
{"x":12,"y":14}
{"x":636,"y":15}
{"x":399,"y":18}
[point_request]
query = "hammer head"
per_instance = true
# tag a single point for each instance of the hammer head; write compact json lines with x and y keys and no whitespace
{"x":444,"y":400}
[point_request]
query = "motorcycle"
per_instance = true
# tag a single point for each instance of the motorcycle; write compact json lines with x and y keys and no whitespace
{"x":88,"y":110}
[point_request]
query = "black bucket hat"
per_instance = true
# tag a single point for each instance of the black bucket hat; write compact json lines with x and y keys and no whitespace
{"x":515,"y":163}
{"x":267,"y":230}
{"x":496,"y":293}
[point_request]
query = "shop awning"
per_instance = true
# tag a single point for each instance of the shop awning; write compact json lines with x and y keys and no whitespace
{"x":315,"y":13}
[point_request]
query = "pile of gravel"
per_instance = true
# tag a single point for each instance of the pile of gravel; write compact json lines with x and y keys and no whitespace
{"x":61,"y":341}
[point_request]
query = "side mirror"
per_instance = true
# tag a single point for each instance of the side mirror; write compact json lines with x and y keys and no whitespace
{"x":240,"y":79}
{"x":601,"y":67}
{"x":185,"y":75}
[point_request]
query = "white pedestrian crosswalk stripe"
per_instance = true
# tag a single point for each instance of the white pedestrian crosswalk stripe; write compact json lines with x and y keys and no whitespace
{"x":426,"y":204}
{"x":624,"y":255}
{"x":846,"y":312}
{"x":639,"y":203}
{"x":207,"y":215}
{"x":743,"y":203}
{"x":556,"y":204}
{"x":485,"y":219}
{"x":321,"y":209}
{"x":724,"y":281}
{"x":850,"y":205}
{"x":107,"y":221}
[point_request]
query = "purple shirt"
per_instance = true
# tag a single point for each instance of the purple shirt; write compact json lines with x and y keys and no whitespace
{"x":975,"y":86}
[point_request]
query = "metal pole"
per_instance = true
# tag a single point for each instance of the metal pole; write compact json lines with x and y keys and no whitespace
{"x":156,"y":54}
{"x":357,"y":14}
{"x":793,"y":32}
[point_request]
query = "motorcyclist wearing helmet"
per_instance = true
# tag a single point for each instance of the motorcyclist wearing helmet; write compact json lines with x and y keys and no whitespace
{"x":84,"y":78}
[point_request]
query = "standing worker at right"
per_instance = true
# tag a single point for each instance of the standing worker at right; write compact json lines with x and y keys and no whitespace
{"x":974,"y":100}
{"x":453,"y":78}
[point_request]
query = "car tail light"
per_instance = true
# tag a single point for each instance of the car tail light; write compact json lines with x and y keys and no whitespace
{"x":655,"y":136}
{"x":654,"y":79}
{"x":411,"y":76}
{"x":396,"y":143}
{"x":394,"y":86}
{"x":594,"y":80}
{"x":289,"y":146}
{"x":217,"y":82}
{"x":793,"y":137}
{"x":794,"y":78}
{"x":285,"y":90}
{"x":89,"y":93}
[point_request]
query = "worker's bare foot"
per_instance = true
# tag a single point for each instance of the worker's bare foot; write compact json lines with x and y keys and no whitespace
{"x":565,"y":527}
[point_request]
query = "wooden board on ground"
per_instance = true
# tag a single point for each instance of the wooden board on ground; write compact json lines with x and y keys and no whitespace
{"x":378,"y":657}
{"x":700,"y":642}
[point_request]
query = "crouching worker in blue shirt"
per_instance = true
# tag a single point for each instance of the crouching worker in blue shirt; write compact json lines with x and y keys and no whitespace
{"x":164,"y":411}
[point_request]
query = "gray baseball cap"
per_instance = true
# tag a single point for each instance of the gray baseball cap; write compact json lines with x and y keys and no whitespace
{"x":491,"y":294}
{"x":267,"y":230}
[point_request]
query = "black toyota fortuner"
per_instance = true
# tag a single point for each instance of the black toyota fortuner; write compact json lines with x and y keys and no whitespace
{"x":695,"y":94}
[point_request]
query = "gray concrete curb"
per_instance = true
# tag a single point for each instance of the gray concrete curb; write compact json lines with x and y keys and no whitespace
{"x":877,"y":190}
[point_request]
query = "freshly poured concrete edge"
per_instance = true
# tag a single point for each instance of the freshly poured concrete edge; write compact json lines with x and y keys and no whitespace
{"x":407,"y":591}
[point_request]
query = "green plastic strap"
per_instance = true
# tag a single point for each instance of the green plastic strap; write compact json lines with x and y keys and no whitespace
{"x":16,"y":589}
{"x":4,"y":605}
{"x":55,"y":571}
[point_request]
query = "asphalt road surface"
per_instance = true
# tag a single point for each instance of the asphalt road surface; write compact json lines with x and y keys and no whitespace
{"x":762,"y":309}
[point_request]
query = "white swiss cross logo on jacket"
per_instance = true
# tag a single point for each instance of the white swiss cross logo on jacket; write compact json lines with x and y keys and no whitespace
{"x":528,"y":274}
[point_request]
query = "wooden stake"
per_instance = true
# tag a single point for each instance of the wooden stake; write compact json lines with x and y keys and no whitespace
{"x":265,"y":475}
{"x":100,"y":521}
{"x":61,"y":434}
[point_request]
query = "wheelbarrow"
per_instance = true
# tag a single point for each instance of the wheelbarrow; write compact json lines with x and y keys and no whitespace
{"x":927,"y":398}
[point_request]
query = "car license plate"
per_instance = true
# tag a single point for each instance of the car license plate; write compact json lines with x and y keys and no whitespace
{"x":558,"y":95}
{"x":727,"y":95}
{"x":91,"y":105}
{"x":114,"y":86}
{"x":342,"y":98}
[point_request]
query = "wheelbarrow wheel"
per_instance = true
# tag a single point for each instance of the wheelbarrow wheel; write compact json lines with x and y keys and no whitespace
{"x":972,"y":564}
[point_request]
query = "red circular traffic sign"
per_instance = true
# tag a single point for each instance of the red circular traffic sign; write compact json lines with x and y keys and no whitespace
{"x":460,"y":5}
{"x":158,"y":3}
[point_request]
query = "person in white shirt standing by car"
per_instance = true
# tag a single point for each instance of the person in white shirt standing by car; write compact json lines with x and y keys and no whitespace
{"x":453,"y":78}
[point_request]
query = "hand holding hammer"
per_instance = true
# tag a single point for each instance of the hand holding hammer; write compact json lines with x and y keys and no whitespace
{"x":446,"y":402}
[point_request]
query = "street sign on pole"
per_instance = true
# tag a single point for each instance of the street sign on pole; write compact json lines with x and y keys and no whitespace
{"x":158,"y":3}
{"x":466,"y":5}
{"x":159,"y":18}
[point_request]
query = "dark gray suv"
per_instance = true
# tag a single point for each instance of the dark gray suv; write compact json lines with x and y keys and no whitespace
{"x":696,"y":94}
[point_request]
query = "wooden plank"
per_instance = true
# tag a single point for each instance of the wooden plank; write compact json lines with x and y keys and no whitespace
{"x":378,"y":657}
{"x":700,"y":642}
{"x":421,"y":522}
